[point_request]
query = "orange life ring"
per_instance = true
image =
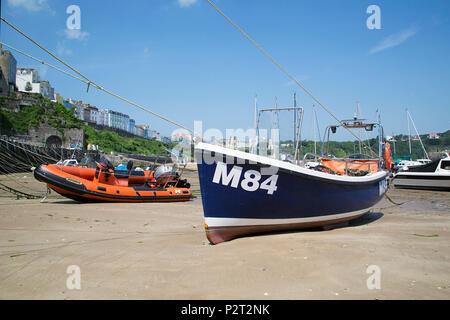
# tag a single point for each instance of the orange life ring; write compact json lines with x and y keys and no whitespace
{"x":387,"y":155}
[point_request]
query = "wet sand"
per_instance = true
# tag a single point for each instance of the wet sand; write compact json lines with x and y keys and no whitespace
{"x":159,"y":251}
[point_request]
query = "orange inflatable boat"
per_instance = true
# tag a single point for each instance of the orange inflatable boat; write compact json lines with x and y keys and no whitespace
{"x":106,"y":184}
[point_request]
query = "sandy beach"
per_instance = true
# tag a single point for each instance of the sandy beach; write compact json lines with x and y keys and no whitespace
{"x":159,"y":251}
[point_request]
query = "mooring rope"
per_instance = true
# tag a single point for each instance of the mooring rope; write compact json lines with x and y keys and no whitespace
{"x":43,"y":62}
{"x":393,"y":202}
{"x":90,"y":82}
{"x":284,"y":71}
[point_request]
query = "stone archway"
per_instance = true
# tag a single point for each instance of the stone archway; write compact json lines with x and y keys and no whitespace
{"x":53,"y":142}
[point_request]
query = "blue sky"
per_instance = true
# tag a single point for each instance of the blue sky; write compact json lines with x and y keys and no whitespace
{"x":182,"y":59}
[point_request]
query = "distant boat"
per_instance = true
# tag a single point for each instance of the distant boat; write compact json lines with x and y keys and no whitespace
{"x":246,"y":193}
{"x":68,"y":162}
{"x":434,"y":175}
{"x":402,"y":163}
{"x":405,"y":165}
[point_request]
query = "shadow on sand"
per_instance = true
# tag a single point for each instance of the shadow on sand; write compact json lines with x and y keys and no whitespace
{"x":65,"y":201}
{"x":366,"y":219}
{"x":363,"y":220}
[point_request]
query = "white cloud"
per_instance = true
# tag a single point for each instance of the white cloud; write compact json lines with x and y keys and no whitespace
{"x":76,"y":34}
{"x":394,"y":40}
{"x":61,"y":49}
{"x":30,"y":5}
{"x":186,"y":3}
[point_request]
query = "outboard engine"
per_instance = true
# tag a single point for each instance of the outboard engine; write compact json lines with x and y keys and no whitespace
{"x":164,"y":174}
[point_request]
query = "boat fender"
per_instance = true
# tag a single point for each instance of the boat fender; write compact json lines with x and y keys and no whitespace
{"x":387,"y":155}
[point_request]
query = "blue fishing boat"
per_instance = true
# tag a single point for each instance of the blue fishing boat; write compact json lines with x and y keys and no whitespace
{"x":246,"y":193}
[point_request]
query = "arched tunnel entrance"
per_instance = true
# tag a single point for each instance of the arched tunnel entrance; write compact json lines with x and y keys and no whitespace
{"x":53,"y":142}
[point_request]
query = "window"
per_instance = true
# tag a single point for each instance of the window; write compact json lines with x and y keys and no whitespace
{"x":445,"y":165}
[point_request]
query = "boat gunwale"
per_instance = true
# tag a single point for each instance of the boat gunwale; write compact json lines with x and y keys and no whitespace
{"x":291,"y":168}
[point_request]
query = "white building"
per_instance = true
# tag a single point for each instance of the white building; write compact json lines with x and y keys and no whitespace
{"x":94,"y":115}
{"x":90,"y":113}
{"x":154,"y":135}
{"x":104,"y":117}
{"x":433,"y":136}
{"x":114,"y":119}
{"x":142,"y":131}
{"x":28,"y":80}
{"x":132,"y":126}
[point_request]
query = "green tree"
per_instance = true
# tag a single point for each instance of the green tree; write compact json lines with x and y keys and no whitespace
{"x":28,"y":86}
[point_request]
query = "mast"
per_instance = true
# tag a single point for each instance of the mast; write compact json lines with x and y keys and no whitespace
{"x":393,"y":141}
{"x":359,"y":129}
{"x":256,"y":110}
{"x":295,"y":117}
{"x":380,"y":139}
{"x":314,"y":121}
{"x":276,"y":126}
{"x":275,"y":114}
{"x":409,"y":135}
{"x":255,"y":142}
{"x":418,"y":135}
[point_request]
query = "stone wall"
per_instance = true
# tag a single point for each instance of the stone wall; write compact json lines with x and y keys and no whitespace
{"x":46,"y":135}
{"x":20,"y":99}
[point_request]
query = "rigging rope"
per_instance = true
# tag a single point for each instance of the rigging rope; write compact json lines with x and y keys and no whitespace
{"x":281,"y":68}
{"x":43,"y":62}
{"x":91,"y":83}
{"x":14,"y":166}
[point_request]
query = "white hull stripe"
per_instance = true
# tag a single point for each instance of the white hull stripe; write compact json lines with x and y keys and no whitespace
{"x":422,"y":183}
{"x":419,"y":174}
{"x":287,"y":166}
{"x":232,"y":222}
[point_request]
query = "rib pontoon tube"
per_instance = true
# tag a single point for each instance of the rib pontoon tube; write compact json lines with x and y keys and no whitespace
{"x":93,"y":185}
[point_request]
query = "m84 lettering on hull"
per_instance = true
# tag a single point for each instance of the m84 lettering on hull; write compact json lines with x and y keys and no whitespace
{"x":249,"y":183}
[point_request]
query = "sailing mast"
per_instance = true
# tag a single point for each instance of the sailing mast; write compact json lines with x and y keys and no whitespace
{"x":314,"y":121}
{"x":409,"y":135}
{"x":359,"y":129}
{"x":256,"y":109}
{"x":418,"y":135}
{"x":295,"y":117}
{"x":255,"y":142}
{"x":274,"y":115}
{"x":393,"y":141}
